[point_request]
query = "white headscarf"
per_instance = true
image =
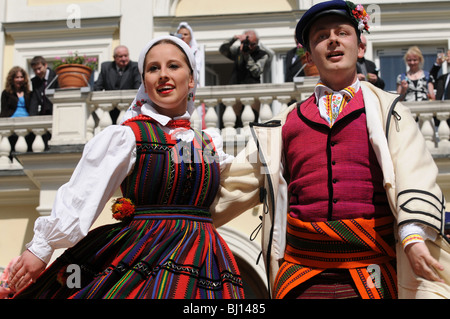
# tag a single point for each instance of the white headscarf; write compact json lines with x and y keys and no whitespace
{"x":193,"y":44}
{"x":142,"y":99}
{"x":198,"y":54}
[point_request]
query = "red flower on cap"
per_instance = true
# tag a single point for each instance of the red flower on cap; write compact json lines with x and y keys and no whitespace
{"x":355,"y":13}
{"x":360,"y":15}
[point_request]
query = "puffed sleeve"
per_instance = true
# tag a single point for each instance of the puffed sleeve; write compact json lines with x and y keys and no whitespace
{"x":224,"y":158}
{"x":107,"y":159}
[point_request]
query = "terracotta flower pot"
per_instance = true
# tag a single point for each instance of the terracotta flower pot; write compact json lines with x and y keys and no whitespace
{"x":310,"y":69}
{"x":73,"y":75}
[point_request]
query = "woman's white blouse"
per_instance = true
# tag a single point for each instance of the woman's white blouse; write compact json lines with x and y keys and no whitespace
{"x":106,"y":160}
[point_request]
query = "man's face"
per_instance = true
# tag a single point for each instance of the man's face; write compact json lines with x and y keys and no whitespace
{"x":334,"y":49}
{"x":364,"y":43}
{"x":121,"y":57}
{"x":40,"y":70}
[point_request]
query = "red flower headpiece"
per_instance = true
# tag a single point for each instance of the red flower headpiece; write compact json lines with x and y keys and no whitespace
{"x":122,"y":208}
{"x":359,"y":15}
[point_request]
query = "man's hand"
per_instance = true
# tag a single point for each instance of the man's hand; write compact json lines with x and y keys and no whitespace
{"x":422,"y":263}
{"x":240,"y":37}
{"x":361,"y":77}
{"x":372,"y":78}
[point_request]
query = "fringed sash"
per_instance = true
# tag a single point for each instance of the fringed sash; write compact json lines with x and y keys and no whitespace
{"x":364,"y":247}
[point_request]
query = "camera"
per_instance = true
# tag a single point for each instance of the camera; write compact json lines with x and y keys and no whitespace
{"x":246,"y":45}
{"x":176,"y":35}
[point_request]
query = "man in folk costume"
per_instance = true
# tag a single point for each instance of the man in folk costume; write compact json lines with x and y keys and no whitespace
{"x":351,"y":208}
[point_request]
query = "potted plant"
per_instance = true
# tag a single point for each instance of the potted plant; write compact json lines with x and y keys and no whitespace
{"x":75,"y":70}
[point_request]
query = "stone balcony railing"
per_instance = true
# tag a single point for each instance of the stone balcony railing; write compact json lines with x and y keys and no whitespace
{"x":78,"y":115}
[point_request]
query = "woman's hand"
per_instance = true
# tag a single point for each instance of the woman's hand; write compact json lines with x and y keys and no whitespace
{"x":27,"y":268}
{"x":404,"y":85}
{"x":422,"y":263}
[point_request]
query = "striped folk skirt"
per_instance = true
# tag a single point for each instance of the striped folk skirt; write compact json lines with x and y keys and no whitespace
{"x":153,"y":256}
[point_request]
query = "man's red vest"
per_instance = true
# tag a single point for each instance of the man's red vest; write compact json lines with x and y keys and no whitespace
{"x":333,"y":172}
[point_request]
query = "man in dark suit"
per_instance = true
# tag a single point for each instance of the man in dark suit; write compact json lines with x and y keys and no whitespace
{"x":120,"y":74}
{"x":442,"y":84}
{"x":367,"y":70}
{"x":443,"y":87}
{"x":293,"y":64}
{"x":43,"y":79}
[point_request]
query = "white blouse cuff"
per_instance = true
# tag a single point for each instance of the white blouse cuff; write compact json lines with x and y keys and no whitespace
{"x":40,"y":248}
{"x":414,"y":232}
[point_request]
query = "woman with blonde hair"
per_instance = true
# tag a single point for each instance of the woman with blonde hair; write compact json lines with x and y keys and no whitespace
{"x":416,"y":84}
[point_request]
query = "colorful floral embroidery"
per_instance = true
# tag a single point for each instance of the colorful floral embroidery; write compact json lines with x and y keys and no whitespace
{"x":335,"y":103}
{"x":415,"y":238}
{"x":137,"y":106}
{"x":360,"y":15}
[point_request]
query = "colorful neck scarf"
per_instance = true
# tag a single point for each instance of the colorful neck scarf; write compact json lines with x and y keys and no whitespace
{"x":331,"y":103}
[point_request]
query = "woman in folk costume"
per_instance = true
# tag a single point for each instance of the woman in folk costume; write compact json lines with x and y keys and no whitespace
{"x":165,"y":245}
{"x":351,"y":204}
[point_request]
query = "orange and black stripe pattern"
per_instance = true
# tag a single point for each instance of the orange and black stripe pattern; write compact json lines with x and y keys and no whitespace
{"x":364,"y":247}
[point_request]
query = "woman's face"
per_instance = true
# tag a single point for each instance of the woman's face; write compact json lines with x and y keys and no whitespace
{"x":413,"y":62}
{"x":168,"y":79}
{"x":18,"y":80}
{"x":185,"y":35}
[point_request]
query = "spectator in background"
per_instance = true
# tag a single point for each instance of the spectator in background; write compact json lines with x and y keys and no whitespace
{"x":187,"y":35}
{"x":367,"y":70}
{"x":249,"y":59}
{"x":16,"y":96}
{"x":44,"y":79}
{"x":442,"y":83}
{"x":15,"y":101}
{"x":293,"y":63}
{"x":249,"y":62}
{"x":416,"y":84}
{"x":120,"y":74}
